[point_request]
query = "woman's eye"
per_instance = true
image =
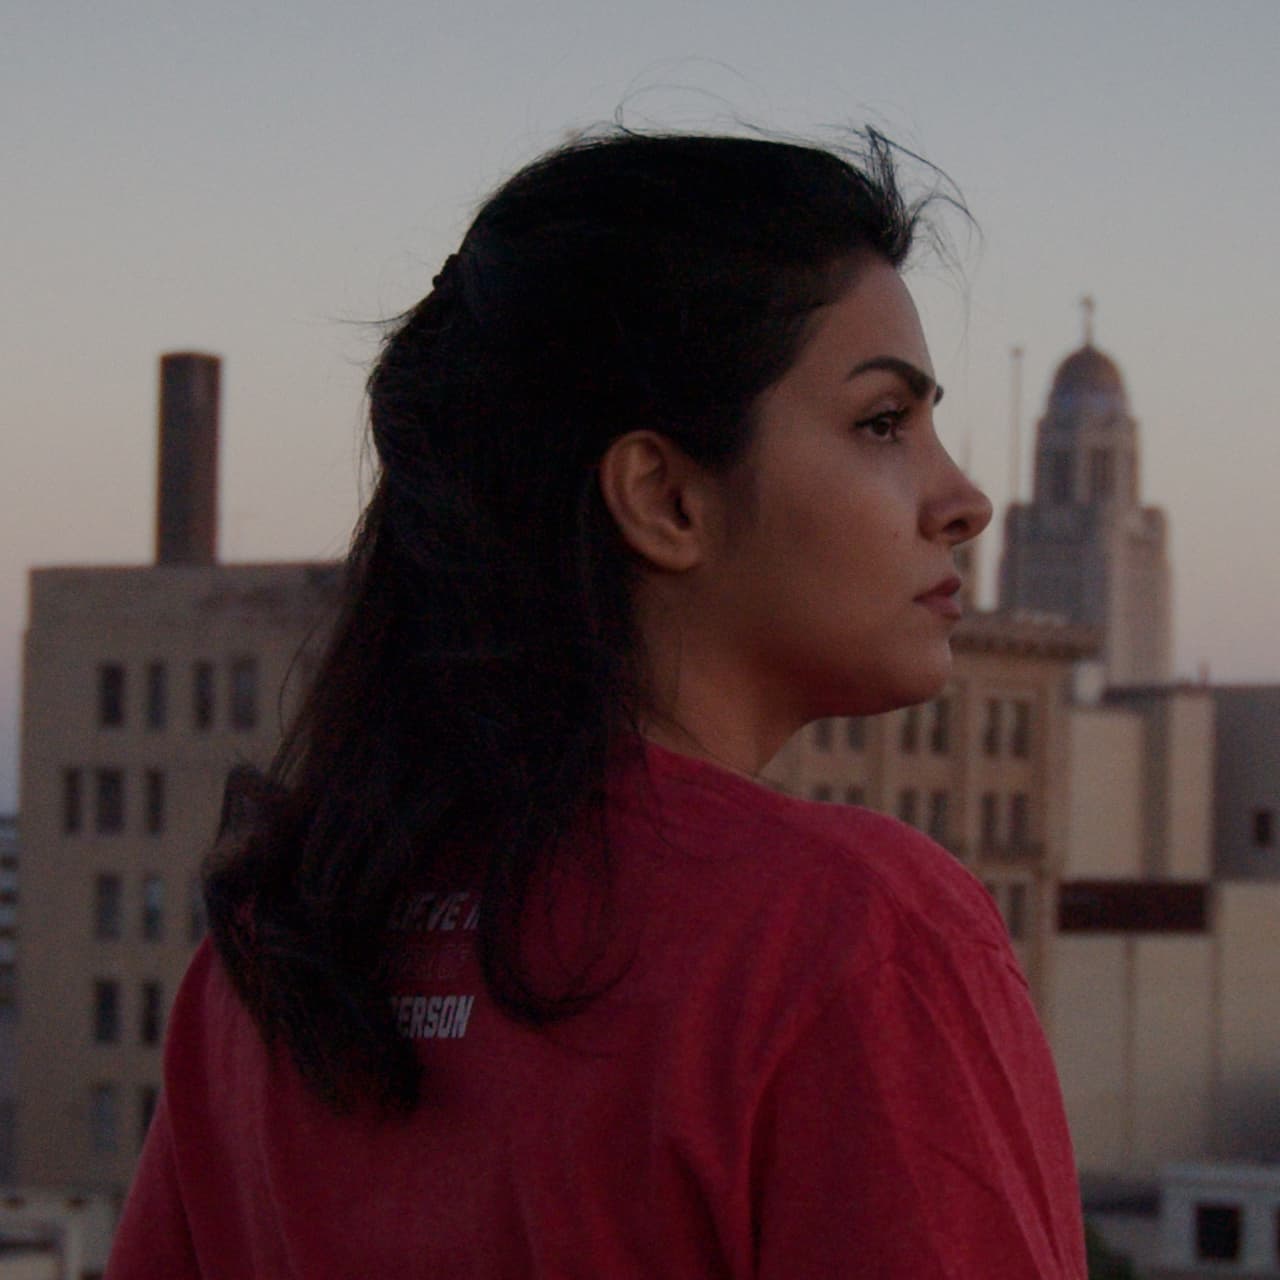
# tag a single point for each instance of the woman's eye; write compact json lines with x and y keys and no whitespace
{"x":884,"y":426}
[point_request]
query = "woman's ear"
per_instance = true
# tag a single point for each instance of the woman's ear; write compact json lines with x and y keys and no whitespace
{"x":660,"y":499}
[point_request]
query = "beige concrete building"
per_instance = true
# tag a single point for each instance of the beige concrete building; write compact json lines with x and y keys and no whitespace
{"x":143,"y":686}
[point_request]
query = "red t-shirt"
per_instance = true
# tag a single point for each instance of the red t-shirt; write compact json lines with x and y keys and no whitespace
{"x":819,"y":1059}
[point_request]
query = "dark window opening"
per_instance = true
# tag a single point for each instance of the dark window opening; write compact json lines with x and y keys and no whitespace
{"x":153,"y":909}
{"x":106,"y":907}
{"x":202,"y":695}
{"x":106,"y":1012}
{"x":940,"y":727}
{"x":1218,"y":1232}
{"x":907,"y":805}
{"x":989,"y":821}
{"x":244,"y":693}
{"x":155,"y":802}
{"x":822,"y":735}
{"x":1264,"y":835}
{"x":110,"y":801}
{"x":938,"y":815}
{"x":1060,"y":486}
{"x":110,"y":695}
{"x":991,"y":729}
{"x":1020,"y":732}
{"x":157,"y":696}
{"x":148,"y":1096}
{"x":822,"y":792}
{"x":856,"y":733}
{"x":72,"y":802}
{"x":910,"y":730}
{"x":152,"y":1014}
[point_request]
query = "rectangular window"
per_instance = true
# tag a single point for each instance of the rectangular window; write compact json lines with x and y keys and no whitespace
{"x":1060,"y":486}
{"x":1019,"y":820}
{"x":991,"y":728}
{"x":110,"y":695}
{"x":989,"y":819}
{"x":104,"y":1119}
{"x":940,"y":727}
{"x":155,"y":802}
{"x":244,"y":693}
{"x":148,"y":1096}
{"x":157,"y":695}
{"x":907,"y":804}
{"x":1020,"y":733}
{"x":152,"y":909}
{"x":1264,"y":834}
{"x":1101,"y":474}
{"x":72,"y":802}
{"x":1218,"y":1232}
{"x":822,"y":735}
{"x":109,"y":819}
{"x":106,"y":907}
{"x":855,"y":729}
{"x":149,"y":1030}
{"x":821,"y":792}
{"x":1015,"y":910}
{"x":106,"y":1012}
{"x":197,"y":922}
{"x":202,"y":695}
{"x":910,"y":730}
{"x":938,"y":815}
{"x":854,"y":795}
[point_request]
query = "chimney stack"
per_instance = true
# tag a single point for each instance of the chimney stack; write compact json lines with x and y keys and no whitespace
{"x":187,"y":485}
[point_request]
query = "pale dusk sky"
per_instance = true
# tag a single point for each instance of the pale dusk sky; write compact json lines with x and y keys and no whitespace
{"x":260,"y":181}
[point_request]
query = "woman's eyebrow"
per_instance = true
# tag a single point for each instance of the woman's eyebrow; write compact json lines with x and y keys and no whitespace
{"x":922,"y":385}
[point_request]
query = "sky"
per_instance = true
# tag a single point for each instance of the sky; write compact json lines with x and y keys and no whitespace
{"x":266,"y":182}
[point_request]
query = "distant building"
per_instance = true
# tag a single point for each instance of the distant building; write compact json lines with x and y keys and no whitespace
{"x":1246,"y":801}
{"x":1084,"y":548}
{"x":143,"y":686}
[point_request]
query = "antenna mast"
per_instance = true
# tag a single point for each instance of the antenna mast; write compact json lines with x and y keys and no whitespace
{"x":1015,"y":424}
{"x":1088,"y":306}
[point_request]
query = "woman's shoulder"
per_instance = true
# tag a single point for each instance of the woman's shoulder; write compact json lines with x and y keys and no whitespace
{"x":871,"y":877}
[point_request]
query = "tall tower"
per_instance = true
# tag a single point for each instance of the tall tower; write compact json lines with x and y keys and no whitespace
{"x":1084,"y":547}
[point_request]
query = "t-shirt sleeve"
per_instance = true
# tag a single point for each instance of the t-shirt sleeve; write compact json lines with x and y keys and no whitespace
{"x":915,"y":1129}
{"x":153,"y":1237}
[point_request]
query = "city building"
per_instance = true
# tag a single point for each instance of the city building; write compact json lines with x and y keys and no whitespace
{"x":143,"y":686}
{"x":1246,"y":794}
{"x":1084,"y":548}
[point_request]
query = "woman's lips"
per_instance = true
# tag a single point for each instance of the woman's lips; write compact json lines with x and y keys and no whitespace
{"x":941,"y":599}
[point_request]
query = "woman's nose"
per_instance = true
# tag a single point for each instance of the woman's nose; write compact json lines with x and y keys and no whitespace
{"x":958,"y":511}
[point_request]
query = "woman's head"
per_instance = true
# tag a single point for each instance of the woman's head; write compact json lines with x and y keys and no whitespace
{"x":623,"y":283}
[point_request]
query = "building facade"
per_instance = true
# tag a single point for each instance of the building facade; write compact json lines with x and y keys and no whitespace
{"x":1246,"y":796}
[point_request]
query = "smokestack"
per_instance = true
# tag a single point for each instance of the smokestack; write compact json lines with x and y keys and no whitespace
{"x":187,"y":485}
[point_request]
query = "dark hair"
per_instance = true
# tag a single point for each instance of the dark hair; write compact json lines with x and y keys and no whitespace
{"x":485,"y":664}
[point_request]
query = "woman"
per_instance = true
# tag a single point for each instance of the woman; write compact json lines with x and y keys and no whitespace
{"x":519,"y":972}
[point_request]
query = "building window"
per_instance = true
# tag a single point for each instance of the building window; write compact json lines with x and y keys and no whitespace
{"x":72,"y":802}
{"x":854,"y":795}
{"x":157,"y":695}
{"x":1218,"y":1232}
{"x":110,"y":695}
{"x":152,"y":909}
{"x":822,"y":735}
{"x":1015,"y":910}
{"x":855,"y":733}
{"x":1020,"y":732}
{"x":1019,"y":820}
{"x":940,"y":727}
{"x":104,"y":1119}
{"x":821,"y":792}
{"x":106,"y":1012}
{"x":989,"y":821}
{"x":1264,"y":833}
{"x":907,"y":805}
{"x":938,"y":815}
{"x":991,"y":728}
{"x":110,"y":801}
{"x":106,"y":907}
{"x":1059,"y":477}
{"x":202,"y":695}
{"x":197,"y":921}
{"x":155,"y":802}
{"x":152,"y":1014}
{"x":1101,"y":474}
{"x":910,"y":740}
{"x":148,"y":1096}
{"x":244,"y":693}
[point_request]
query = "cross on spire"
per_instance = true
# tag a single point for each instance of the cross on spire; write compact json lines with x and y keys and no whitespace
{"x":1088,"y":306}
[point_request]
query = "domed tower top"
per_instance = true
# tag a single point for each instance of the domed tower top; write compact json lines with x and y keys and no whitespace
{"x":1088,"y":382}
